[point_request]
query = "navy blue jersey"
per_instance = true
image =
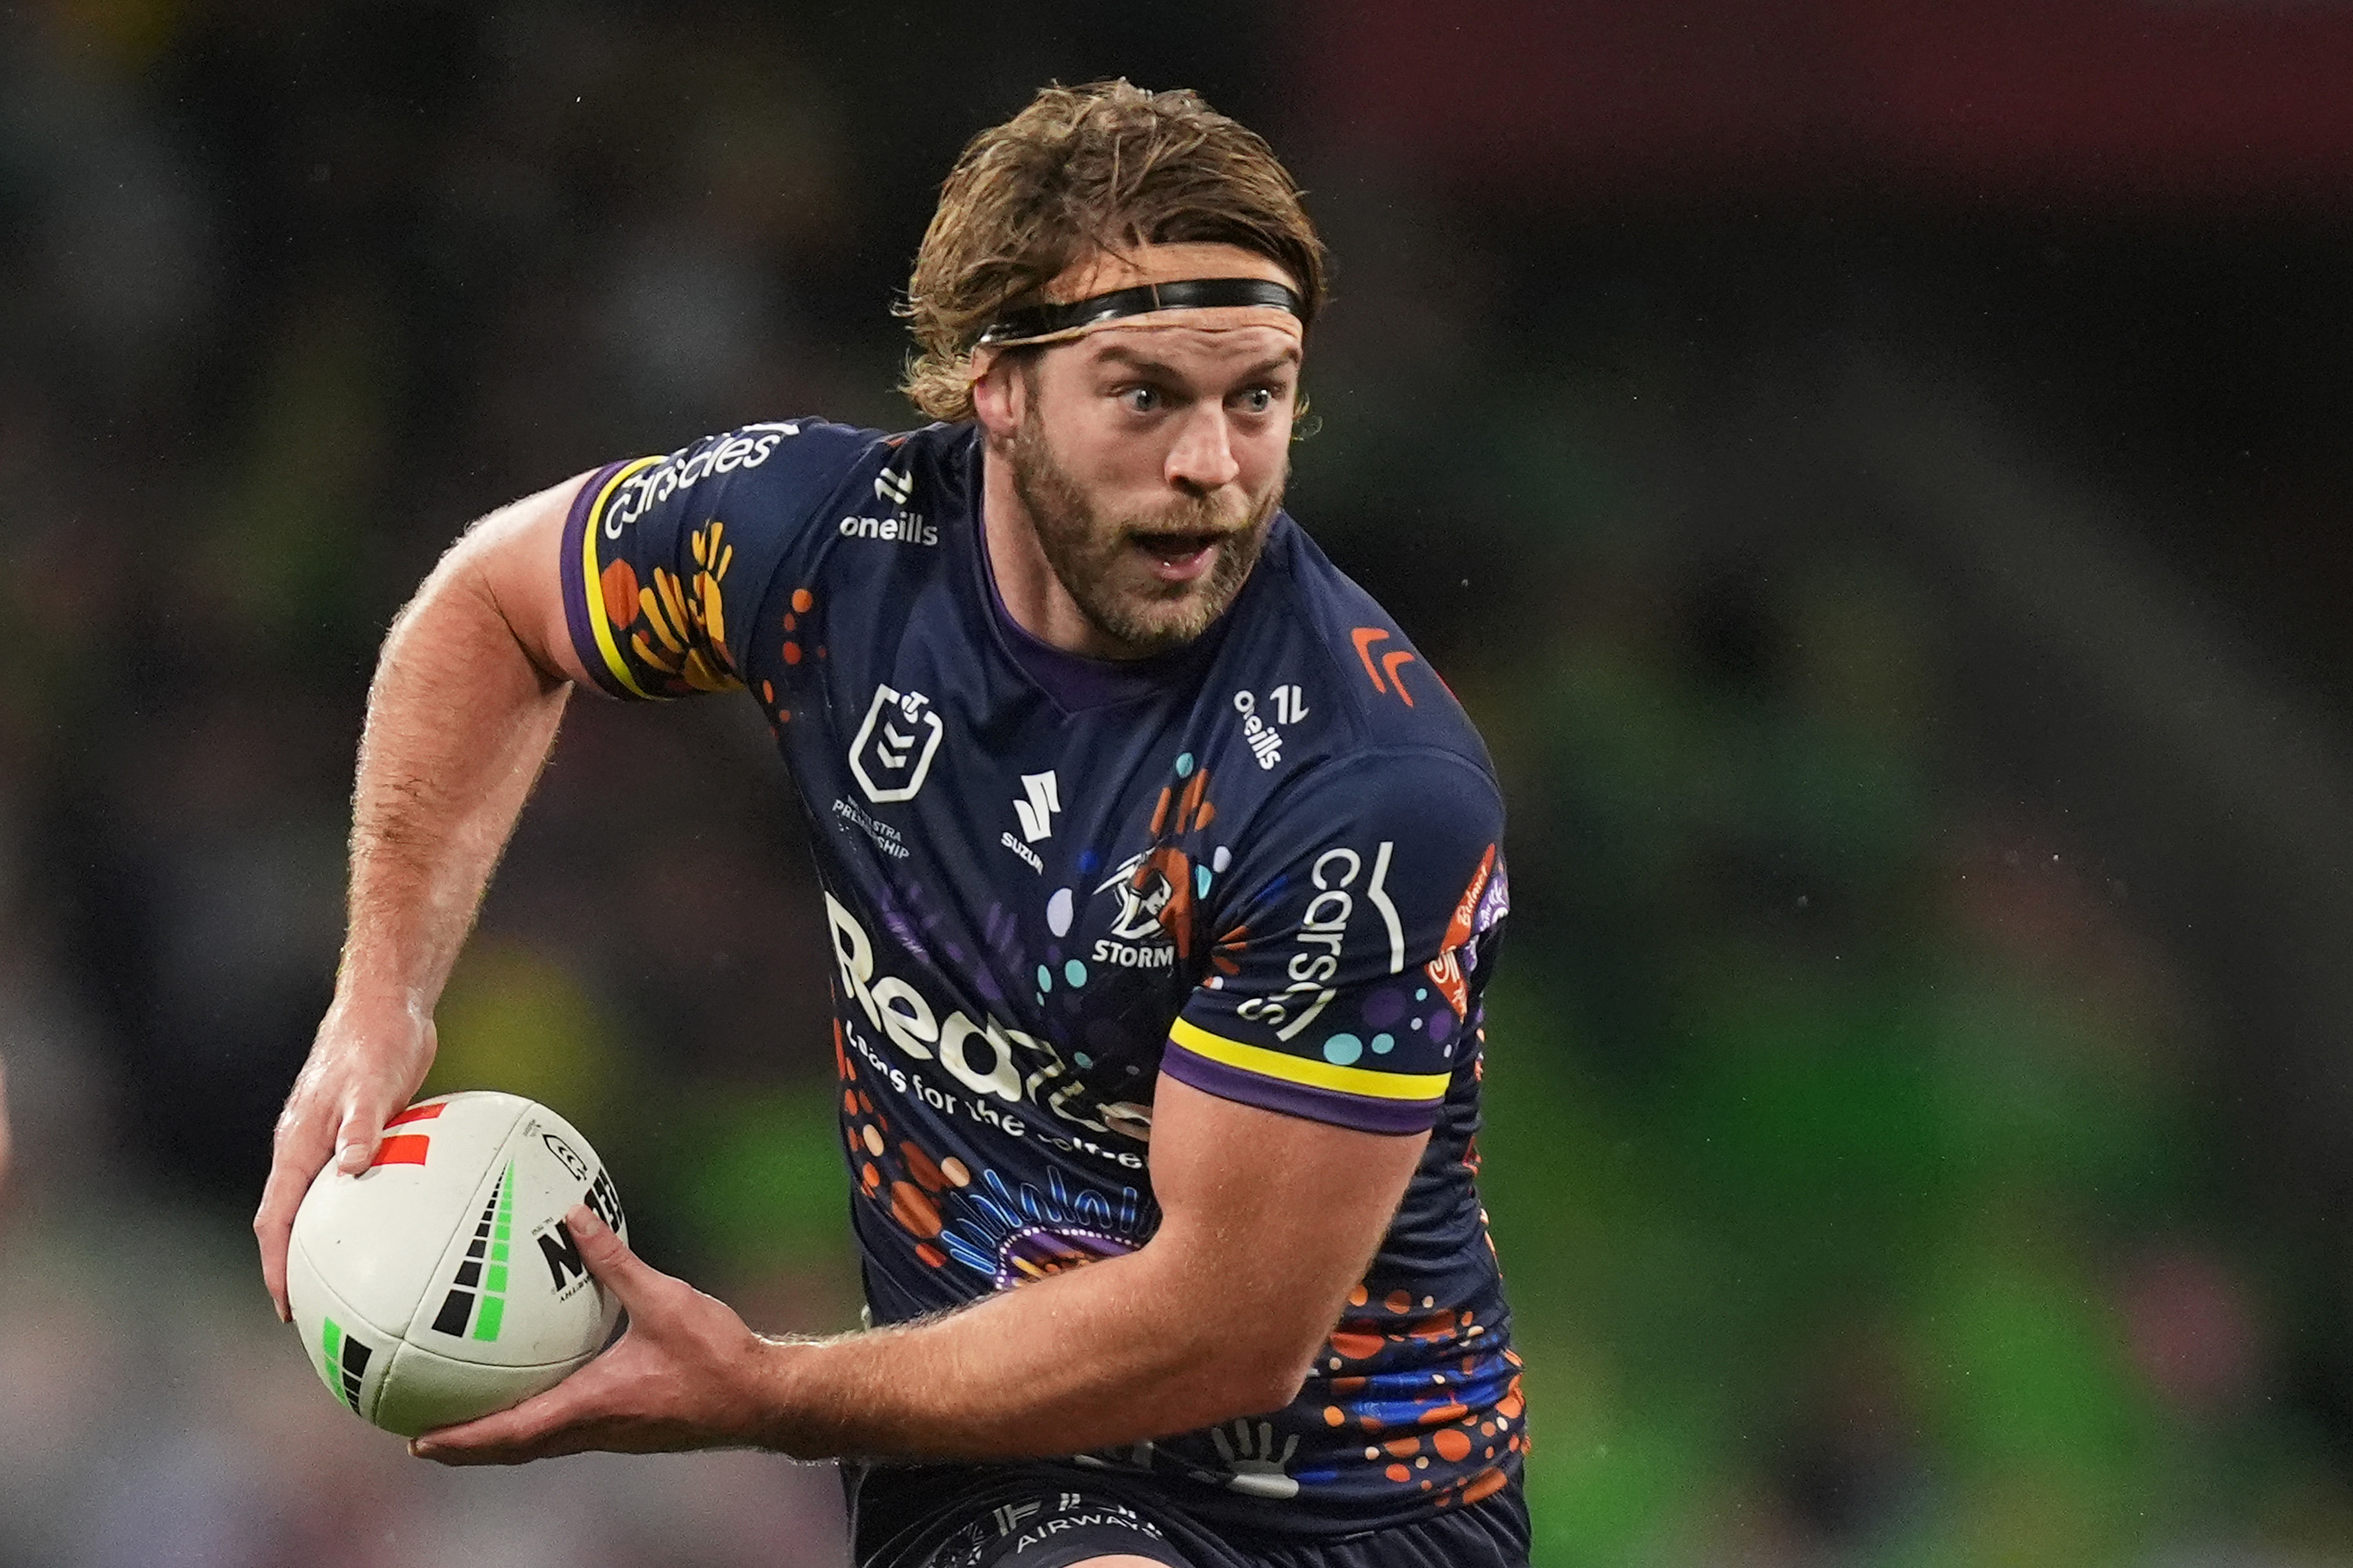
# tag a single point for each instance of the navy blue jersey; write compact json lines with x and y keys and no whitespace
{"x":1267,"y":864}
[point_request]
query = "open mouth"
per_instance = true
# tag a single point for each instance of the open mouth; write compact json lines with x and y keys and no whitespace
{"x":1177,"y":557}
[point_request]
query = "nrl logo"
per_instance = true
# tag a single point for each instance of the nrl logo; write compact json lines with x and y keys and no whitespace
{"x":893,"y":750}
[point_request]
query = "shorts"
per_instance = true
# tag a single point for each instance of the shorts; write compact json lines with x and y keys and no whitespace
{"x":1051,"y":1516}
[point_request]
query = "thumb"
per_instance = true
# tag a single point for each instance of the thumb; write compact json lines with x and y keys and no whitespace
{"x":356,"y":1138}
{"x":608,"y":1257}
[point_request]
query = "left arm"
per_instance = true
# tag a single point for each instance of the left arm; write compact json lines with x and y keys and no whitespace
{"x":1267,"y":1221}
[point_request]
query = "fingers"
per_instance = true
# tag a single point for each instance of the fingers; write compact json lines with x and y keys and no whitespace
{"x":369,"y":1056}
{"x":608,"y":1257}
{"x":273,"y":1225}
{"x":356,"y":1138}
{"x":683,"y":1376}
{"x":538,"y":1428}
{"x":302,"y":1146}
{"x":299,"y":1152}
{"x":584,"y":1411}
{"x":497,"y":1454}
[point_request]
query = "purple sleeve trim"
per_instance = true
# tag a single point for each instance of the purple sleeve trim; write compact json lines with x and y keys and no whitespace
{"x":577,"y":586}
{"x":1336,"y":1107}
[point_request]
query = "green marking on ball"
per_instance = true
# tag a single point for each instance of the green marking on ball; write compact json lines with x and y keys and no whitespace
{"x":490,"y":1311}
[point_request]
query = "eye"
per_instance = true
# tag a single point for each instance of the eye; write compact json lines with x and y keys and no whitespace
{"x":1140,"y":400}
{"x":1259,"y":399}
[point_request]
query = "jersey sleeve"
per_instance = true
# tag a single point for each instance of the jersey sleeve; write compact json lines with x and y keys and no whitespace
{"x":666,"y":559}
{"x":1344,"y":979}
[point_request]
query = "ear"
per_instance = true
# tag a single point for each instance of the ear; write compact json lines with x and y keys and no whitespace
{"x":998,"y":396}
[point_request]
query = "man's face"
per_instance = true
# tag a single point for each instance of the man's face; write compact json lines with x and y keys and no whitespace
{"x":1150,"y":463}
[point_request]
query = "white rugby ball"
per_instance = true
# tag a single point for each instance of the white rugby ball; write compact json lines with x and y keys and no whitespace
{"x":440,"y":1283}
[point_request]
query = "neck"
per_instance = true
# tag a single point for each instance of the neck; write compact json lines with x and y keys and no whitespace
{"x":1034,"y":597}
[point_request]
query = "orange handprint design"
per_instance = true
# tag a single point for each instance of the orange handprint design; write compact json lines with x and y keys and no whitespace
{"x":681,"y":628}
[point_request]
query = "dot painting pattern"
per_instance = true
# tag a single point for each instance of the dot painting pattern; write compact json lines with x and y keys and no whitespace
{"x":1438,"y":1410}
{"x":1415,"y":1391}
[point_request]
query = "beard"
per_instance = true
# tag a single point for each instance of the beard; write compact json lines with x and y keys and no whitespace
{"x":1097,"y":561}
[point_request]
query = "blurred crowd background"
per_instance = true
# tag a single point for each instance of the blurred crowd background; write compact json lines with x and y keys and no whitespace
{"x":1878,"y":475}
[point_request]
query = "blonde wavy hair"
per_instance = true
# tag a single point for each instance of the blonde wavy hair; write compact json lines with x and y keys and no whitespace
{"x":1103,"y":167}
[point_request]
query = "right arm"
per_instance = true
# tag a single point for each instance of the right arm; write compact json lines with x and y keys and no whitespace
{"x":460,"y":717}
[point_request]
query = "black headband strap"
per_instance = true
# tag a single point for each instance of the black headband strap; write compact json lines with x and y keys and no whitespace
{"x":1198,"y":293}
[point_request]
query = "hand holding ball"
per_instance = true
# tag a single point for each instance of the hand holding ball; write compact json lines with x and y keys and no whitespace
{"x":441,"y":1284}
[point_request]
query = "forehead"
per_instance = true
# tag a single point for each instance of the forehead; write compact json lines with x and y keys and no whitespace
{"x":1188,"y":351}
{"x":1100,"y":271}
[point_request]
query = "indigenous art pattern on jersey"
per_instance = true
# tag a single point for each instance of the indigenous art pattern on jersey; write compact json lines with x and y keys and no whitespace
{"x":1268,"y":865}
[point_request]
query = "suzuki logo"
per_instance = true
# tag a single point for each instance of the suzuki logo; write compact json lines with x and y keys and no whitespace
{"x":899,"y":737}
{"x":1036,"y":812}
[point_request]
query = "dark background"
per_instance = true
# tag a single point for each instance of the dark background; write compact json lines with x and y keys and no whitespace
{"x":1877,"y":474}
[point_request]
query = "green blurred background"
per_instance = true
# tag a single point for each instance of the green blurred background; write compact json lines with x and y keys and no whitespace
{"x":1877,"y":474}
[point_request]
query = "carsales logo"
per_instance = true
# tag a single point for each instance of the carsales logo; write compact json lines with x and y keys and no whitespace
{"x":1323,"y":937}
{"x":640,"y":493}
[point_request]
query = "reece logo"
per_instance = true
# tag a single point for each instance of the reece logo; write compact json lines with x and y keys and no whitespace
{"x":894,"y":747}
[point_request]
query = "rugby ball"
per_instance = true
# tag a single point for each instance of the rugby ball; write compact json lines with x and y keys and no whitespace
{"x":440,"y":1283}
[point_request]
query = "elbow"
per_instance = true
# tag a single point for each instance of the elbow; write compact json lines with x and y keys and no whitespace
{"x":1277,"y":1390}
{"x":1264,"y":1376}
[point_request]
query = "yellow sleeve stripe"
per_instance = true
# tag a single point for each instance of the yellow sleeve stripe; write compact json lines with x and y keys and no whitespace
{"x":592,"y":581}
{"x":1306,"y":1070}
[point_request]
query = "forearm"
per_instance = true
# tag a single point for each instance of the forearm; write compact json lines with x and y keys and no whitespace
{"x":459,"y":722}
{"x":1109,"y":1354}
{"x":460,"y":717}
{"x":1266,"y":1223}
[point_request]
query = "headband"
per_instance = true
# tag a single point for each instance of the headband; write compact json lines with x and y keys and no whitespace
{"x":1048,"y":321}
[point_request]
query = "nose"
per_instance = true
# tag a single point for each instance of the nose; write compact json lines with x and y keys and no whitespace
{"x":1202,"y":459}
